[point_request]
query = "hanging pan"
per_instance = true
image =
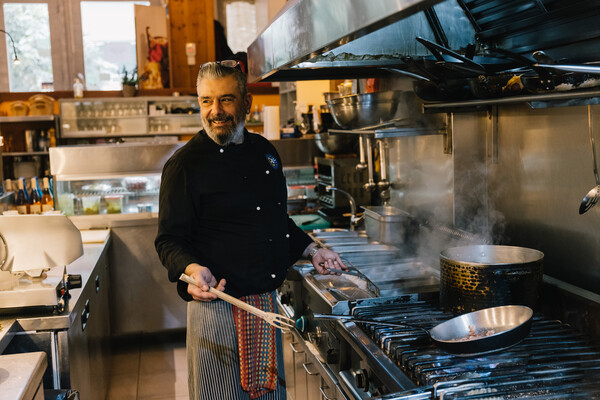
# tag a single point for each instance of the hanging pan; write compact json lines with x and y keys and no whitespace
{"x":479,"y":332}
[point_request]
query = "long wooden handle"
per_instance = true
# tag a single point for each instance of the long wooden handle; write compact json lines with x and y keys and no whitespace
{"x":225,"y":297}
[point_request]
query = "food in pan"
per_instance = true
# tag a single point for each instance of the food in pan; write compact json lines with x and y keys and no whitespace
{"x":472,"y":335}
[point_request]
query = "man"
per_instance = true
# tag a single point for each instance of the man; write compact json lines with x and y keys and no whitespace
{"x":223,"y":221}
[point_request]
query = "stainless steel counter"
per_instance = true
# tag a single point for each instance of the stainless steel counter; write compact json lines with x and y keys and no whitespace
{"x":21,"y":376}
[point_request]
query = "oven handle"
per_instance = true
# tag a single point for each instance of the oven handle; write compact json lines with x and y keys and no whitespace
{"x":294,"y":349}
{"x":322,"y":390}
{"x":305,"y":365}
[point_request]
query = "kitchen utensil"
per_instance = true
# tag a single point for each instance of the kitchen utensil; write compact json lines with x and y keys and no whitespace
{"x":479,"y":332}
{"x":310,"y":221}
{"x":465,"y":64}
{"x":386,"y":224}
{"x":344,"y":272}
{"x":276,"y":320}
{"x":592,"y":197}
{"x":481,"y":276}
{"x":339,"y":143}
{"x":360,"y":110}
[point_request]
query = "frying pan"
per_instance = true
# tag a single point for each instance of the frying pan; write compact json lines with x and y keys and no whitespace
{"x":482,"y":77}
{"x":479,"y":332}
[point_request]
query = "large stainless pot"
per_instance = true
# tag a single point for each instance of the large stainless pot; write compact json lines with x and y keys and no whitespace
{"x":483,"y":276}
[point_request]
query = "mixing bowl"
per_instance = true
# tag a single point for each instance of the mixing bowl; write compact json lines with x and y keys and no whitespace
{"x":336,"y":144}
{"x":363,"y":110}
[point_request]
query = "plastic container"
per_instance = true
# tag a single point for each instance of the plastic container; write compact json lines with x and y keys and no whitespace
{"x":90,"y":205}
{"x":114,"y":204}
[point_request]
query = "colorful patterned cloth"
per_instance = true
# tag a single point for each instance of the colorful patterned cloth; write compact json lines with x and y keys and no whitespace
{"x":256,"y":347}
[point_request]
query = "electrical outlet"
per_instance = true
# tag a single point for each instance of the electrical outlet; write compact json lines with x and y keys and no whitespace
{"x":190,"y":51}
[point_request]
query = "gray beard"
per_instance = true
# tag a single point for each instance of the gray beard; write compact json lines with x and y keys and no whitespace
{"x":233,"y":135}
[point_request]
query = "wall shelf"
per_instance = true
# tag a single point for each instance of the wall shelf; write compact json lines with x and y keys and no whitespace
{"x":25,"y":153}
{"x":28,"y":118}
{"x":548,"y":100}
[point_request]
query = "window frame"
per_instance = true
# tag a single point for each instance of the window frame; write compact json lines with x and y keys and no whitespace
{"x":66,"y":41}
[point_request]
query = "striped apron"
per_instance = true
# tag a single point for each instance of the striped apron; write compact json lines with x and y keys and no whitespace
{"x":212,"y":354}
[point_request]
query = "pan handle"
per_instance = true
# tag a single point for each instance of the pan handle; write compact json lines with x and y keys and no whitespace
{"x":408,"y":74}
{"x":350,"y":318}
{"x":470,"y":65}
{"x":585,"y":69}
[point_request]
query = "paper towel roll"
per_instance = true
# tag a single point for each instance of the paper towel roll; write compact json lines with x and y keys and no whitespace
{"x":271,"y":122}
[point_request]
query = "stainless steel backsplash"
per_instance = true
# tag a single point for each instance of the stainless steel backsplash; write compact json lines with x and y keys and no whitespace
{"x":528,"y":195}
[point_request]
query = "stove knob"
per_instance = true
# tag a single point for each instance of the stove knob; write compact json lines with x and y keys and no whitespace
{"x":73,"y":281}
{"x":301,"y":323}
{"x":361,"y":379}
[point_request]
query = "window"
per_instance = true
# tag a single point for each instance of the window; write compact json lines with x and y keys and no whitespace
{"x":58,"y":39}
{"x":107,"y":51}
{"x":29,"y":26}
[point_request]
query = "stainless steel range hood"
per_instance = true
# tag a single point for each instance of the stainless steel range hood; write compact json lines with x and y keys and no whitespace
{"x":325,"y":39}
{"x":305,"y":29}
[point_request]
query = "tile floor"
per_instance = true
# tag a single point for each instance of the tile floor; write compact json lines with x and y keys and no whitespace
{"x":149,"y":367}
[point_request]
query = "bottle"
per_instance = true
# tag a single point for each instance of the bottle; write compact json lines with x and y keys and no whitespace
{"x":47,"y":199}
{"x":8,"y":188}
{"x":51,"y":137}
{"x":77,"y":89}
{"x":20,"y":199}
{"x":43,"y":141}
{"x":35,"y":201}
{"x":256,"y":114}
{"x":25,"y":189}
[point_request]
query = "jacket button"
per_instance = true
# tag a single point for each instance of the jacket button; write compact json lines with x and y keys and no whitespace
{"x":267,"y":172}
{"x":270,"y":240}
{"x":273,"y":276}
{"x":258,"y":208}
{"x":221,"y":150}
{"x":287,"y":235}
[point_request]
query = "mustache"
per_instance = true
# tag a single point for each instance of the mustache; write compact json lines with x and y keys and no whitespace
{"x":222,"y":118}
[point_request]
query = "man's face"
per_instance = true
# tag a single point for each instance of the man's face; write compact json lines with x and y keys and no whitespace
{"x":223,"y":109}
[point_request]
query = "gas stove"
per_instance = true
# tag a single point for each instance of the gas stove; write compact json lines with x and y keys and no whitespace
{"x":553,"y":361}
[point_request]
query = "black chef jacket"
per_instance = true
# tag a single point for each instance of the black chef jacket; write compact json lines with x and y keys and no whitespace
{"x":225,"y":207}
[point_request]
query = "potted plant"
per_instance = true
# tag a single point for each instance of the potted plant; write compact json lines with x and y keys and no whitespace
{"x":129,"y":82}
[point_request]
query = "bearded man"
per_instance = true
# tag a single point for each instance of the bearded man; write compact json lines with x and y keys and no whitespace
{"x":223,"y":221}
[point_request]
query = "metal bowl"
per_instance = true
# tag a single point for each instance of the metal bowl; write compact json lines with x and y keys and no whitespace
{"x":336,"y":144}
{"x":363,"y":110}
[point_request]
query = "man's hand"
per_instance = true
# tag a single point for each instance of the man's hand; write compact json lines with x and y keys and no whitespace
{"x":204,"y":280}
{"x":327,"y":261}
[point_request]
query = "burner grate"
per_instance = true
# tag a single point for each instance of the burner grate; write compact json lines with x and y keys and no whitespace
{"x":553,"y":361}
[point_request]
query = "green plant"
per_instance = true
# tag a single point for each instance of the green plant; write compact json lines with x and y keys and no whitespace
{"x":130,"y":78}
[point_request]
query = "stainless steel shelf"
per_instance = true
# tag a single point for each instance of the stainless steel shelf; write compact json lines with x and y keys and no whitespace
{"x":24,"y":153}
{"x":391,"y":132}
{"x":28,"y":118}
{"x":563,"y":99}
{"x":102,"y":117}
{"x":175,"y":115}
